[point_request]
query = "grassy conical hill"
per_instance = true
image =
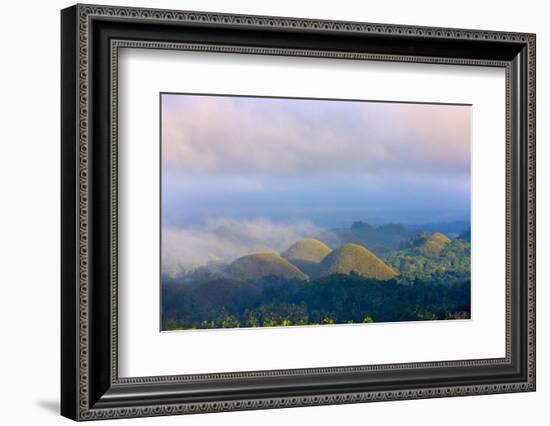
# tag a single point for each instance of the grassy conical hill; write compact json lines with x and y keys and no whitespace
{"x":355,"y":258}
{"x":306,"y":255}
{"x":309,"y":249}
{"x":260,"y":265}
{"x":435,"y":243}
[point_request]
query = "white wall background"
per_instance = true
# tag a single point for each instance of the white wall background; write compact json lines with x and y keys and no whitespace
{"x":29,"y":213}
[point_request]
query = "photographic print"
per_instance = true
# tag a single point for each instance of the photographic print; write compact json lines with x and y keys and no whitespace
{"x":280,"y":212}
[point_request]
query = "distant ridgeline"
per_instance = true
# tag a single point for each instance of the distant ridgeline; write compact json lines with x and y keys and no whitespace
{"x":376,"y":274}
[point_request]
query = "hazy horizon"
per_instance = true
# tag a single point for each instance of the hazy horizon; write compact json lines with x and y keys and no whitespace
{"x":297,"y":166}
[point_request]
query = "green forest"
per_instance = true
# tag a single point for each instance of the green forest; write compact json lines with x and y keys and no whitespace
{"x":370,"y":274}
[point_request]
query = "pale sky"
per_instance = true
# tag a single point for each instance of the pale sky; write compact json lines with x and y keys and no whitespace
{"x":325,"y":162}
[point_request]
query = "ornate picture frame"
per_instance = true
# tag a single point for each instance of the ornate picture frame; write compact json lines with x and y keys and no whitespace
{"x":91,"y":37}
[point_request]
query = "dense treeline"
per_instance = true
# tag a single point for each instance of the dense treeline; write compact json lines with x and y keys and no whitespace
{"x":429,"y":280}
{"x":415,"y":263}
{"x":334,"y":299}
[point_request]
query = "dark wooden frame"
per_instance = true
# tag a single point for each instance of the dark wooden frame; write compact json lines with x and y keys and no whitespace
{"x":90,"y":386}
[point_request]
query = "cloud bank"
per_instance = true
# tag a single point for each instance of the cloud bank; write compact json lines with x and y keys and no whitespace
{"x":327,"y":163}
{"x":224,"y":240}
{"x":258,"y":136}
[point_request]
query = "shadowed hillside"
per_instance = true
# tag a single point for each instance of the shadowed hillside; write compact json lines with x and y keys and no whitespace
{"x":378,"y":239}
{"x":353,"y":258}
{"x":333,"y":299}
{"x":466,"y":235}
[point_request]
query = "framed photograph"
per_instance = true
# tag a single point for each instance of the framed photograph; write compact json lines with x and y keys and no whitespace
{"x":263,"y":212}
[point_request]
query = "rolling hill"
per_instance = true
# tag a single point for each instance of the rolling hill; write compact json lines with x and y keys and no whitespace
{"x":355,"y":258}
{"x":307,"y":249}
{"x":466,"y":235}
{"x":259,"y":265}
{"x":433,"y":244}
{"x":306,"y":255}
{"x":448,"y":228}
{"x":379,"y":239}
